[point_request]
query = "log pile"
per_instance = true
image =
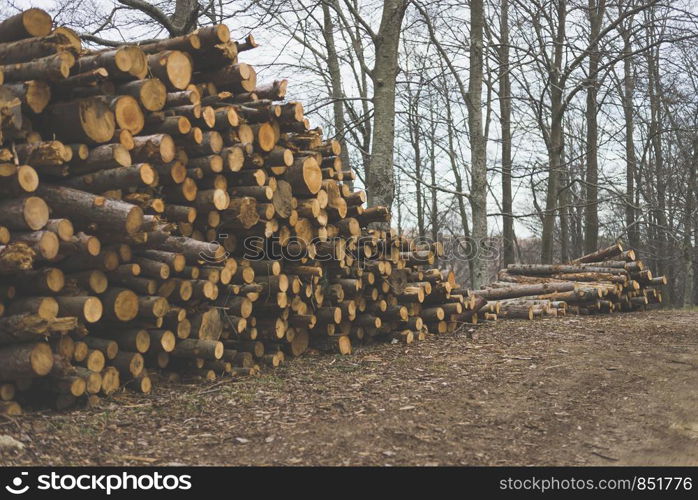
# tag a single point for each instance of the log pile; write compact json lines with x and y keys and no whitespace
{"x":610,"y":279}
{"x":164,"y":215}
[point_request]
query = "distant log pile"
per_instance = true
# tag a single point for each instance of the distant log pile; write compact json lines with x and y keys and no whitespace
{"x":162,"y":213}
{"x":608,"y":280}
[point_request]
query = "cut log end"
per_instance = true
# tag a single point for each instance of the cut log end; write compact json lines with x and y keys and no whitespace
{"x":126,"y":305}
{"x":55,"y":280}
{"x":134,"y":220}
{"x":128,"y":114}
{"x":344,"y":345}
{"x":92,"y":309}
{"x":266,"y":138}
{"x":41,"y":359}
{"x":36,"y":22}
{"x":96,"y":120}
{"x":153,"y":94}
{"x":36,"y":213}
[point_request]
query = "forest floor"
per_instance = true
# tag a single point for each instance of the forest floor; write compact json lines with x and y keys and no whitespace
{"x":603,"y":390}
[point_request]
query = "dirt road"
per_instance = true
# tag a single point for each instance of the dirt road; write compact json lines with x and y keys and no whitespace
{"x":607,"y":390}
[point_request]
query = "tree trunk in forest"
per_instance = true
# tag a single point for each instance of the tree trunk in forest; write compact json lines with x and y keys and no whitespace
{"x":414,"y":129}
{"x":184,"y":17}
{"x":688,"y":249}
{"x":555,"y":144}
{"x":591,"y":213}
{"x":380,"y":182}
{"x":627,"y":95}
{"x":457,"y":175}
{"x":434,"y":215}
{"x":555,"y":155}
{"x":335,"y":74}
{"x":564,"y":202}
{"x":655,"y":134}
{"x":695,"y":263}
{"x":478,"y":143}
{"x":505,"y":122}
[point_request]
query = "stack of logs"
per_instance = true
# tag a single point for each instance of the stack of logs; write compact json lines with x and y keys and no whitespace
{"x":610,"y":279}
{"x":163,"y":215}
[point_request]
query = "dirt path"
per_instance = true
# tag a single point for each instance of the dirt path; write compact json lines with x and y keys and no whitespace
{"x":618,"y":389}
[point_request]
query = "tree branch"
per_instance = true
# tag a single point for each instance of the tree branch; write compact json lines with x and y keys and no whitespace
{"x":152,"y":11}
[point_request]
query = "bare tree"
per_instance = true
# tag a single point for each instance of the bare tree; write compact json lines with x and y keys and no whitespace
{"x":380,"y":182}
{"x":596,"y":13}
{"x":335,"y":74}
{"x":478,"y":142}
{"x":505,"y":123}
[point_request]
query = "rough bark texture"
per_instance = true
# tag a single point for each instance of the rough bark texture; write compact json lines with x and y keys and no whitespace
{"x":627,"y":95}
{"x":25,"y":361}
{"x":334,"y":70}
{"x":29,"y":327}
{"x":505,"y":121}
{"x":591,"y":215}
{"x":380,"y":182}
{"x":87,"y":210}
{"x":555,"y":140}
{"x":478,"y":143}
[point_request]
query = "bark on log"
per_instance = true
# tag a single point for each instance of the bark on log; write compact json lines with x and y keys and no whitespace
{"x":601,"y":254}
{"x":26,"y":24}
{"x":304,"y":176}
{"x":25,"y":213}
{"x":25,"y":361}
{"x":548,"y":269}
{"x":120,"y":304}
{"x":139,"y":175}
{"x":151,"y":93}
{"x":91,"y":121}
{"x":199,"y":348}
{"x":522,"y":291}
{"x":89,"y":211}
{"x":28,"y":327}
{"x":34,"y":94}
{"x":172,"y":67}
{"x":51,"y":68}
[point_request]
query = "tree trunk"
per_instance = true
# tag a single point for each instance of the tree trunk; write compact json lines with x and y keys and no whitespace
{"x":630,"y":158}
{"x":459,"y":181}
{"x":564,"y":201}
{"x":655,"y":134}
{"x":591,"y":216}
{"x":414,"y":129}
{"x":184,"y":17}
{"x":335,"y":74}
{"x":380,"y":182}
{"x":688,"y":249}
{"x":505,"y":122}
{"x":434,"y":212}
{"x":555,"y":142}
{"x":478,"y":143}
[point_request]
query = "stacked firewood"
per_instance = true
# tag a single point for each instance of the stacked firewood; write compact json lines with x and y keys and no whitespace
{"x":610,"y":279}
{"x":164,"y":215}
{"x":389,"y":290}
